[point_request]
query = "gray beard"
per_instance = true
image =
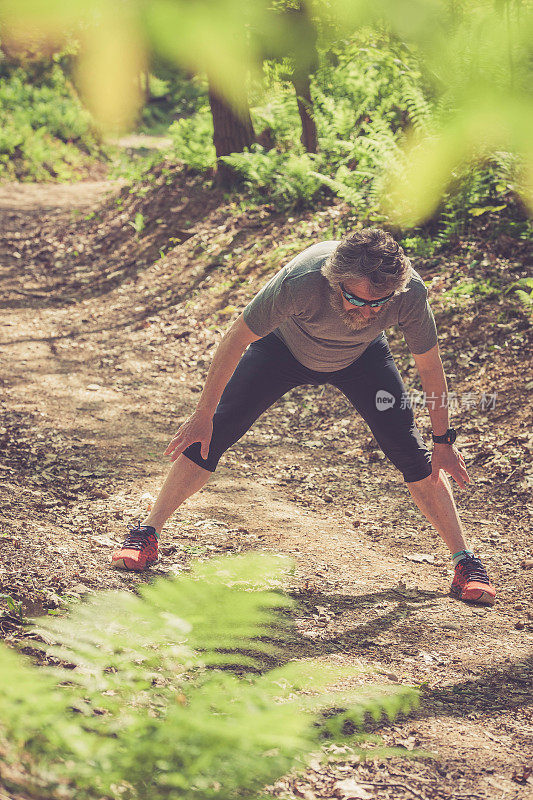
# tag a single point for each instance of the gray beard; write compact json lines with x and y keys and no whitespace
{"x":352,"y":318}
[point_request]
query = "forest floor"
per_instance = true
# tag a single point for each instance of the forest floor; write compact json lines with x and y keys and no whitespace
{"x":107,"y":329}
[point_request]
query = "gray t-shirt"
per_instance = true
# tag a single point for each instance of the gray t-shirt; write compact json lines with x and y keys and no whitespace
{"x":295,"y":305}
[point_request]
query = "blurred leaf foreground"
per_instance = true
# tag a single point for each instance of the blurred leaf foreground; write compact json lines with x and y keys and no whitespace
{"x":478,"y":52}
{"x":176,"y":692}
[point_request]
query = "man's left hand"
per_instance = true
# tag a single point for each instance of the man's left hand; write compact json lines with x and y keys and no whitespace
{"x":448,"y":458}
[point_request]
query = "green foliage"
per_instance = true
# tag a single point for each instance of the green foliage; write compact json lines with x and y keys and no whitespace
{"x":366,"y":91}
{"x":286,"y":179}
{"x":145,"y":710}
{"x":361,"y":113}
{"x":365,"y":78}
{"x":483,"y":190}
{"x":417,"y":245}
{"x":416,"y":122}
{"x":274,"y":108}
{"x":372,"y":94}
{"x":476,"y":56}
{"x":14,"y":607}
{"x":170,"y":93}
{"x":523,"y":289}
{"x":481,"y":288}
{"x":138,"y":223}
{"x":44,"y":131}
{"x":192,"y":141}
{"x":133,"y":169}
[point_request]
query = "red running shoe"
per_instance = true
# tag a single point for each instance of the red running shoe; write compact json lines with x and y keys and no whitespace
{"x":471,"y":582}
{"x":139,"y":549}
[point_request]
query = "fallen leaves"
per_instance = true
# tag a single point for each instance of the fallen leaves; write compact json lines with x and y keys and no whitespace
{"x":522,"y":774}
{"x":420,"y":558}
{"x":336,"y":463}
{"x":349,"y":789}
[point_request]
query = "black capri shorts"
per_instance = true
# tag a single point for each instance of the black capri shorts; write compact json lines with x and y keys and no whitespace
{"x":372,"y":383}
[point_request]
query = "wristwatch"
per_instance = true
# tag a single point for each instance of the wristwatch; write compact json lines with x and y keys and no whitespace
{"x":447,"y":438}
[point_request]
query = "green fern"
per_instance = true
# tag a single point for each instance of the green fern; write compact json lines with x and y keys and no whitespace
{"x":419,"y":110}
{"x":45,"y":133}
{"x":287,"y":180}
{"x":192,"y":140}
{"x":523,"y":289}
{"x":141,"y":710}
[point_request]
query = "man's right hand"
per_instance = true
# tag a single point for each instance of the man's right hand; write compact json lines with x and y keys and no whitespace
{"x":198,"y":428}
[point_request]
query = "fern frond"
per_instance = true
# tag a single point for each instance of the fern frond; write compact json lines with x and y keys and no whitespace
{"x":141,"y":712}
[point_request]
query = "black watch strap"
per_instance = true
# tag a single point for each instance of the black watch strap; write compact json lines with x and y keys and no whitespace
{"x":447,"y":438}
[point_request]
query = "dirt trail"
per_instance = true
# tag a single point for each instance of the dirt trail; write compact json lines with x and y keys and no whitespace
{"x":87,"y":407}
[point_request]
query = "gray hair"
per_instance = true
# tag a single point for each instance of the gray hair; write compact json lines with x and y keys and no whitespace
{"x":370,"y":254}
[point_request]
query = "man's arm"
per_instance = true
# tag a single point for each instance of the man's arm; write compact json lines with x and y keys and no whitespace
{"x":445,"y":456}
{"x":226,"y":358}
{"x":199,"y":426}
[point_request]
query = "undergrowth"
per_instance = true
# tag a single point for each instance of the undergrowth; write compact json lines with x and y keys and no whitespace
{"x":369,"y":93}
{"x":45,"y":133}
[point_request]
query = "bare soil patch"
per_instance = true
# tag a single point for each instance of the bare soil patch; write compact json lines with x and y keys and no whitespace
{"x":106,"y":333}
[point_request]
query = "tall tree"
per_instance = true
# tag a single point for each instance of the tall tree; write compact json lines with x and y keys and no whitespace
{"x":298,"y":45}
{"x":232,"y":132}
{"x":305,"y":63}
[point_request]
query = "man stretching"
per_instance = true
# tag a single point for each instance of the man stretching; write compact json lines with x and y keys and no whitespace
{"x":319,"y":320}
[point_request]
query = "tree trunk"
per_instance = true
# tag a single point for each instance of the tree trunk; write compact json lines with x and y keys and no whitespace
{"x":302,"y":86}
{"x":232,"y":132}
{"x":305,"y":64}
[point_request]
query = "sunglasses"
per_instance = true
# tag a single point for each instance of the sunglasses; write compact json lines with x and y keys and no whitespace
{"x":358,"y":301}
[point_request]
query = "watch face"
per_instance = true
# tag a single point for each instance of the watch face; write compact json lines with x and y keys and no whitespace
{"x":447,"y":438}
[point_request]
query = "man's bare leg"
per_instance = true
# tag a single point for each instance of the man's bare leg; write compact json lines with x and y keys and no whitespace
{"x":183,"y":480}
{"x":435,"y":501}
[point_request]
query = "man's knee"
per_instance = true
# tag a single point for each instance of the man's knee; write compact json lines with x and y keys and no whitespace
{"x":411,"y":459}
{"x":193,"y":454}
{"x":416,"y":471}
